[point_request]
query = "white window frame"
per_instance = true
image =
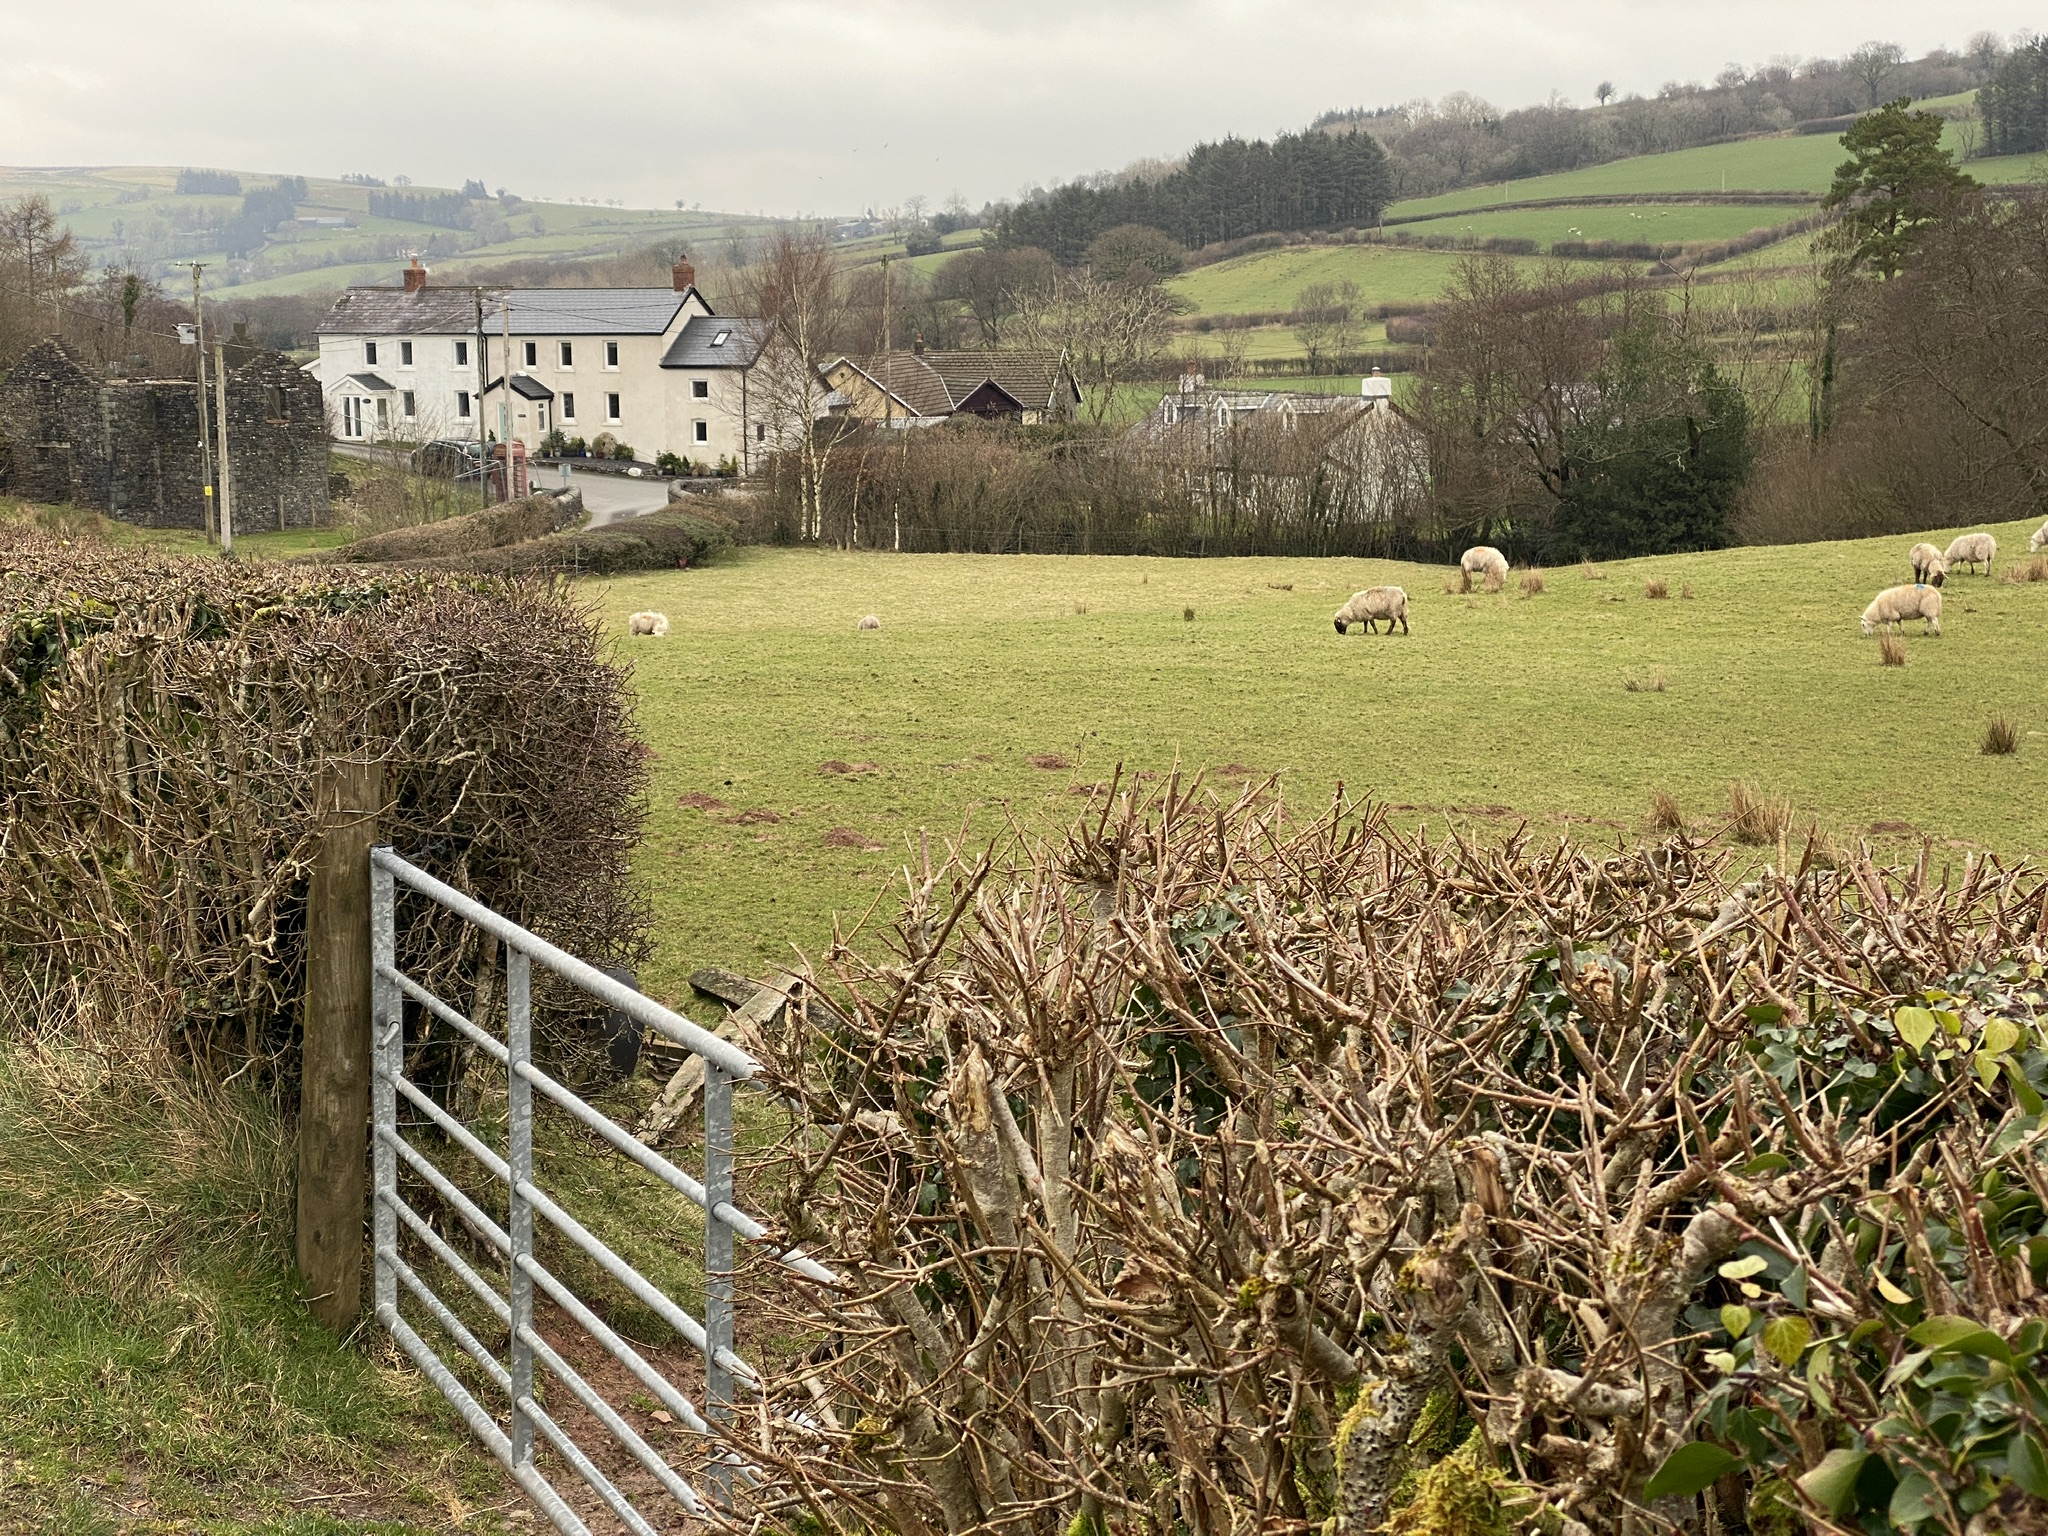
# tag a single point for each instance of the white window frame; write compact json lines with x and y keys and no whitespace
{"x":700,"y":389}
{"x":462,"y":405}
{"x":461,"y":354}
{"x":405,"y":354}
{"x":383,"y":414}
{"x":611,"y":356}
{"x":700,"y":431}
{"x":565,"y":356}
{"x":369,"y":354}
{"x":613,"y":408}
{"x":568,"y":398}
{"x":530,"y":350}
{"x":408,"y":405}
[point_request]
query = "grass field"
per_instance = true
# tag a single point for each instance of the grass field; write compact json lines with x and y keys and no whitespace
{"x":88,"y":200}
{"x":990,"y":697}
{"x":1661,"y":223}
{"x":1267,"y":281}
{"x":1793,"y":163}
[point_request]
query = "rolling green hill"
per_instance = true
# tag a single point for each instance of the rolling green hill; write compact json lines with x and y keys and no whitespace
{"x":133,"y":213}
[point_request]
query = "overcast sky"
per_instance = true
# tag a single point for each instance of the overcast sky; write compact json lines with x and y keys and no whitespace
{"x":791,"y":106}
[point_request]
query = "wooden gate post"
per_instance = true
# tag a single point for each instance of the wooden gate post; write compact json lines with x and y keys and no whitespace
{"x":334,"y":1093}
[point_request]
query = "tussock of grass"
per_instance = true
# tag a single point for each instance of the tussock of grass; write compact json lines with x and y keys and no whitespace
{"x":1656,"y":587}
{"x":1532,"y":583}
{"x":2034,"y":569}
{"x":1188,"y":614}
{"x":1891,"y":651}
{"x":2001,"y":737}
{"x":1756,"y":818}
{"x":1665,"y":813}
{"x":1588,"y":571}
{"x":1493,"y":581}
{"x":1654,"y":683}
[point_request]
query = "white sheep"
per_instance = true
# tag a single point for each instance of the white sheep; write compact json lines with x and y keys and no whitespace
{"x":2039,"y":541}
{"x":1372,"y":606}
{"x":1969,"y":548}
{"x":1930,"y":566}
{"x":1895,"y":605}
{"x":646,"y":623}
{"x":870,"y":622}
{"x":1485,"y":562}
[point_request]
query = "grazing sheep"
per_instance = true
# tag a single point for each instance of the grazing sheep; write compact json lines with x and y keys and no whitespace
{"x":1969,"y":548}
{"x":655,"y":624}
{"x":870,"y":622}
{"x":1895,"y":605}
{"x":1930,"y":566}
{"x":1371,"y":606}
{"x":2039,"y":541}
{"x":1485,"y":562}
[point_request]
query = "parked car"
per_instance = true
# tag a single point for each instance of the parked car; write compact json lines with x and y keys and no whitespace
{"x":449,"y":458}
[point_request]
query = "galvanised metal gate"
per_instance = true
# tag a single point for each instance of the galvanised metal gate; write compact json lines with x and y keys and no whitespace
{"x":511,"y":1430}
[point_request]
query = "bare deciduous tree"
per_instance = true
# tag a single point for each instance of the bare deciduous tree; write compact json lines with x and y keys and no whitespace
{"x":1874,"y":63}
{"x":1109,"y":332}
{"x":794,"y":285}
{"x":1325,"y":321}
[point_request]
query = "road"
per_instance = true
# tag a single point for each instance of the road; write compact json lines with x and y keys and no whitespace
{"x":607,"y":498}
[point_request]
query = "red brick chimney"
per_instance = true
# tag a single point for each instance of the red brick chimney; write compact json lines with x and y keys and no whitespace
{"x":685,"y":276}
{"x":415,"y":276}
{"x":917,"y":346}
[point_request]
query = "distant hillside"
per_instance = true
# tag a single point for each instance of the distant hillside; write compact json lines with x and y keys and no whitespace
{"x":264,"y":234}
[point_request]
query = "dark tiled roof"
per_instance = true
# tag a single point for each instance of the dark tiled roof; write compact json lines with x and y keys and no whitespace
{"x":697,"y":344}
{"x":369,"y":381}
{"x":394,"y":312}
{"x":530,"y":388}
{"x":939,"y":383}
{"x":535,"y":312}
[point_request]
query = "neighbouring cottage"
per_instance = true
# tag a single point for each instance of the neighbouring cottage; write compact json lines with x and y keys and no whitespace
{"x":921,"y":387}
{"x":1339,"y":458}
{"x":656,"y":368}
{"x":130,"y":447}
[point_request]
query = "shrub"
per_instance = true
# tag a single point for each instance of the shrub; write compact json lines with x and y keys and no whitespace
{"x":576,"y":448}
{"x":1656,"y":587}
{"x":1172,"y":1036}
{"x":671,"y":464}
{"x":2001,"y":737}
{"x":176,"y":897}
{"x":1756,"y":819}
{"x":1532,"y":583}
{"x":1891,"y":650}
{"x":1665,"y":814}
{"x":682,"y":535}
{"x":510,"y":522}
{"x":622,"y":452}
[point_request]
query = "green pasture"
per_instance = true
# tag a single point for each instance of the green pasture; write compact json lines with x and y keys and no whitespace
{"x":1000,"y":688}
{"x":1800,"y":162}
{"x":1660,"y":223}
{"x":1267,"y":281}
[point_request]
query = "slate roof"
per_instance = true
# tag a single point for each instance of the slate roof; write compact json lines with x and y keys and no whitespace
{"x":939,"y":383}
{"x":697,"y":345}
{"x":370,"y":382}
{"x":432,"y":311}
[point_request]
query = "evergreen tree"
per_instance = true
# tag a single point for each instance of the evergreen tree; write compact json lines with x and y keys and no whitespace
{"x":1897,"y":178}
{"x":2014,"y":102}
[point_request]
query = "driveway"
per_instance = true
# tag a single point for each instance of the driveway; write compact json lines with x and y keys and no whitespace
{"x":609,"y":498}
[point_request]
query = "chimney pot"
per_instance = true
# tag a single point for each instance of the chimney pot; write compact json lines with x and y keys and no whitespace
{"x":685,"y":276}
{"x":917,"y":345}
{"x":415,"y":276}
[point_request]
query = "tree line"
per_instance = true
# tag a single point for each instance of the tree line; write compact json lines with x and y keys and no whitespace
{"x":1310,"y":180}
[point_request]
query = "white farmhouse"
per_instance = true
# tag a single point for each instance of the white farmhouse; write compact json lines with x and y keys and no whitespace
{"x":654,"y":367}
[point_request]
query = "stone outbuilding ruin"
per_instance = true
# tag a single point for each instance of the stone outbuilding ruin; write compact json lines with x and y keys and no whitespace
{"x":130,"y":447}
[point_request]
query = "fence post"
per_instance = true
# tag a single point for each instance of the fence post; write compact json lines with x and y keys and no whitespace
{"x":387,"y":1061}
{"x":334,"y":1093}
{"x":718,"y":1271}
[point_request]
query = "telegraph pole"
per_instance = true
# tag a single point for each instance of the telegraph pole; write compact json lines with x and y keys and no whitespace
{"x":483,"y":382}
{"x":505,"y":394}
{"x":205,"y":428}
{"x":227,"y":474}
